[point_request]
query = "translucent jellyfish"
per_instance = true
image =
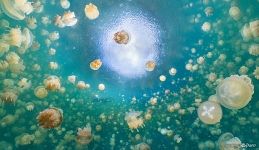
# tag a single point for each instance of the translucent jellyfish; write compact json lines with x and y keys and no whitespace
{"x":153,"y":101}
{"x":134,"y":120}
{"x":69,"y":18}
{"x":254,"y":49}
{"x":71,"y":79}
{"x":142,"y":146}
{"x":10,"y":10}
{"x":254,"y":27}
{"x":65,"y":4}
{"x":37,"y":6}
{"x":210,"y":112}
{"x":235,"y":92}
{"x":150,"y":65}
{"x":24,"y":84}
{"x":24,"y":139}
{"x":12,"y":58}
{"x":228,"y":142}
{"x":14,"y":37}
{"x":121,"y":37}
{"x":50,"y":118}
{"x":30,"y":106}
{"x":8,"y":96}
{"x":255,"y":73}
{"x":52,"y":83}
{"x":53,"y":36}
{"x":4,"y":47}
{"x":7,"y":120}
{"x":96,"y":64}
{"x":162,"y":78}
{"x":31,"y":22}
{"x":3,"y":65}
{"x":81,"y":85}
{"x":40,"y":92}
{"x":27,"y":40}
{"x":91,"y":11}
{"x":53,"y":65}
{"x":101,"y":87}
{"x":84,"y":136}
{"x":172,"y":71}
{"x":234,"y":12}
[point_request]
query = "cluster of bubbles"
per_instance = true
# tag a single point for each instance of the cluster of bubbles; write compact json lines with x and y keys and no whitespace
{"x":221,"y":89}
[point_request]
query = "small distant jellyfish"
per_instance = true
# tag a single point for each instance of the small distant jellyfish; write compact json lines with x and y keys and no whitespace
{"x":228,"y":142}
{"x":84,"y":136}
{"x":101,"y":87}
{"x":235,"y":92}
{"x":210,"y":112}
{"x":65,"y":4}
{"x":40,"y":92}
{"x":142,"y":146}
{"x":71,"y":79}
{"x":96,"y":64}
{"x":31,"y":22}
{"x":91,"y":11}
{"x":254,"y":49}
{"x":206,"y":27}
{"x":162,"y":78}
{"x":29,"y":106}
{"x":234,"y":12}
{"x":150,"y":65}
{"x":121,"y":37}
{"x":52,"y":83}
{"x":50,"y":118}
{"x":53,"y":36}
{"x":172,"y":71}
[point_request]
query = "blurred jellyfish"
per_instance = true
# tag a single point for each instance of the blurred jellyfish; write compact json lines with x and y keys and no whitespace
{"x":71,"y":79}
{"x":50,"y":118}
{"x":235,"y":92}
{"x":206,"y":26}
{"x":134,"y":120}
{"x":150,"y":65}
{"x":210,"y":112}
{"x":234,"y":12}
{"x":52,"y":83}
{"x":254,"y":49}
{"x":121,"y":37}
{"x":68,"y":19}
{"x":101,"y":87}
{"x":228,"y":142}
{"x":31,"y":22}
{"x":40,"y":92}
{"x":14,"y":37}
{"x":65,"y":4}
{"x":162,"y":78}
{"x":172,"y":71}
{"x":142,"y":146}
{"x":96,"y":64}
{"x":84,"y":136}
{"x":8,"y":96}
{"x":91,"y":11}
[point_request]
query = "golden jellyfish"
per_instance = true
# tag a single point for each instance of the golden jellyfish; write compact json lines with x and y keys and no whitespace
{"x":27,"y":40}
{"x":40,"y":92}
{"x":210,"y":112}
{"x":65,"y":4}
{"x":31,"y":22}
{"x":69,"y":18}
{"x":4,"y":47}
{"x":84,"y":136}
{"x":235,"y":92}
{"x":52,"y":83}
{"x":96,"y":64}
{"x":150,"y":65}
{"x":121,"y":37}
{"x":8,"y":96}
{"x":50,"y":118}
{"x":91,"y":11}
{"x":228,"y":142}
{"x":14,"y":37}
{"x":142,"y":146}
{"x":134,"y":120}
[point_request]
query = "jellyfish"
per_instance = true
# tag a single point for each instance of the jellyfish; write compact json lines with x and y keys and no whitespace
{"x":7,"y":120}
{"x":30,"y":106}
{"x":172,"y":71}
{"x":150,"y":65}
{"x":52,"y":83}
{"x":228,"y":142}
{"x":134,"y":120}
{"x":162,"y":78}
{"x":101,"y":87}
{"x":53,"y":36}
{"x":210,"y":112}
{"x":8,"y":96}
{"x":12,"y":58}
{"x":96,"y":64}
{"x":14,"y":37}
{"x":31,"y":22}
{"x":71,"y":79}
{"x":234,"y":12}
{"x":24,"y":139}
{"x":206,"y":27}
{"x":40,"y":92}
{"x":65,"y":4}
{"x":91,"y":11}
{"x":254,"y":27}
{"x":235,"y":92}
{"x":81,"y":85}
{"x":153,"y":101}
{"x":142,"y":146}
{"x":254,"y":49}
{"x":121,"y":37}
{"x":9,"y":9}
{"x":84,"y":136}
{"x":26,"y":41}
{"x":69,"y":18}
{"x":50,"y":118}
{"x":3,"y":65}
{"x":4,"y":47}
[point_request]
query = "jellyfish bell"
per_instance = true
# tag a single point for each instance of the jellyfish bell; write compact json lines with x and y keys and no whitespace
{"x":228,"y":142}
{"x":134,"y":120}
{"x":8,"y":96}
{"x":69,"y":18}
{"x":235,"y":92}
{"x":91,"y":11}
{"x":96,"y":64}
{"x":50,"y":118}
{"x":209,"y":112}
{"x":150,"y":65}
{"x":40,"y":92}
{"x":65,"y":4}
{"x":142,"y":146}
{"x":14,"y":37}
{"x":121,"y":37}
{"x":84,"y":135}
{"x":9,"y":9}
{"x":27,"y":40}
{"x":52,"y":83}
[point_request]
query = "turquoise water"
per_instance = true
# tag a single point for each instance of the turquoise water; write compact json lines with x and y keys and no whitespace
{"x":168,"y":32}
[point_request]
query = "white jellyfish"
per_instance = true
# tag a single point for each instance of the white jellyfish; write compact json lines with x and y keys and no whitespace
{"x":235,"y":92}
{"x":210,"y":112}
{"x":228,"y":142}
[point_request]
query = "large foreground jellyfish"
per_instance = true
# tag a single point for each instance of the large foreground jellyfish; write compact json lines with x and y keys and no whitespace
{"x":50,"y":118}
{"x":235,"y":92}
{"x":228,"y":142}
